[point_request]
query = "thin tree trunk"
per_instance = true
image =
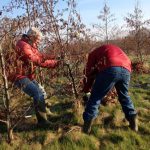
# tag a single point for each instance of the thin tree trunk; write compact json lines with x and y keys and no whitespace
{"x":28,"y":12}
{"x":59,"y":40}
{"x":7,"y":98}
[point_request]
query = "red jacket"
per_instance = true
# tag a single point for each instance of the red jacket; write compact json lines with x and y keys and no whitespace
{"x":101,"y":58}
{"x":27,"y":58}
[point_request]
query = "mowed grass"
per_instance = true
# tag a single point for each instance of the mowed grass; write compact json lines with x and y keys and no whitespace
{"x":110,"y":130}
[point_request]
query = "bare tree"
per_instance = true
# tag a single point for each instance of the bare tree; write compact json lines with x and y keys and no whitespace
{"x":7,"y":97}
{"x":106,"y":20}
{"x":65,"y":32}
{"x":10,"y":115}
{"x":136,"y":24}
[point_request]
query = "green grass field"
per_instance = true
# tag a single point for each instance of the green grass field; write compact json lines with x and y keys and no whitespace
{"x":109,"y":132}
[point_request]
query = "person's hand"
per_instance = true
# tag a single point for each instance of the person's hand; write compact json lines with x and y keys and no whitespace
{"x":85,"y":98}
{"x":59,"y":58}
{"x":60,"y":61}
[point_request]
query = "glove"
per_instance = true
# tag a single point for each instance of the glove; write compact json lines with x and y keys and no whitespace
{"x":85,"y":98}
{"x":43,"y":90}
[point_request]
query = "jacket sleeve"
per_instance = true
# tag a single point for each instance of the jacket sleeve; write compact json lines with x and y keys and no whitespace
{"x":49,"y":64}
{"x":89,"y":73}
{"x":36,"y":57}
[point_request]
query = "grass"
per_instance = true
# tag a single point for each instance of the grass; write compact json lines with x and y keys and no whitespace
{"x":110,"y":130}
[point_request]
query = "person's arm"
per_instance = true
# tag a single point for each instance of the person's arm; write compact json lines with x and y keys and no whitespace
{"x":35,"y":56}
{"x":89,"y":72}
{"x":49,"y":64}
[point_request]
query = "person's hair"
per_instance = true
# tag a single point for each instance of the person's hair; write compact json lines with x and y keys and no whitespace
{"x":34,"y":32}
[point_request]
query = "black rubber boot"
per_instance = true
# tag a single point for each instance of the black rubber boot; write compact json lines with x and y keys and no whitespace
{"x":87,"y":126}
{"x":41,"y":117}
{"x":133,"y":123}
{"x":40,"y":110}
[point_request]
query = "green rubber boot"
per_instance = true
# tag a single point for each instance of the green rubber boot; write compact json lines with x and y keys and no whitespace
{"x":40,"y":110}
{"x":87,"y":126}
{"x":133,"y":123}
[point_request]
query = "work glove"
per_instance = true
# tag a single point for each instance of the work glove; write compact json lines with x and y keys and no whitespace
{"x":63,"y":60}
{"x":43,"y":90}
{"x":86,"y":98}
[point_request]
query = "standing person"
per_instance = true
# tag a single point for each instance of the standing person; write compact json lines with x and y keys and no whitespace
{"x":107,"y":66}
{"x":27,"y":59}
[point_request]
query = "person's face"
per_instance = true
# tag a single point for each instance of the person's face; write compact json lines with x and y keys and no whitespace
{"x":36,"y":39}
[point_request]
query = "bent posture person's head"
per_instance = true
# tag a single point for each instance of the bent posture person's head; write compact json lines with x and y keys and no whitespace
{"x":35,"y":35}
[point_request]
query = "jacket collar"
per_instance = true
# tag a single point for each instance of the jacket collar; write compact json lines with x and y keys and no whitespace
{"x":26,"y":39}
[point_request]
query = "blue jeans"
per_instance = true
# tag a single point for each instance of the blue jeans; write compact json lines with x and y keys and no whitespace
{"x":104,"y":82}
{"x":31,"y":88}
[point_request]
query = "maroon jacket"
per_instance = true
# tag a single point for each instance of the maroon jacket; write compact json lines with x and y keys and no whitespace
{"x":27,"y":59}
{"x":101,"y":58}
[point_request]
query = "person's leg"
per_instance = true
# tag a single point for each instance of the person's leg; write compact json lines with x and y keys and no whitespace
{"x":125,"y":100}
{"x":30,"y":88}
{"x":103,"y":83}
{"x":41,"y":88}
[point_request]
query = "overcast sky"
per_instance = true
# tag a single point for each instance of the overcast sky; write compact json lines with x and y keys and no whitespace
{"x":89,"y":9}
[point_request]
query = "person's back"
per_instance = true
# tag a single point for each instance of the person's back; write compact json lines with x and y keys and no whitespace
{"x":110,"y":55}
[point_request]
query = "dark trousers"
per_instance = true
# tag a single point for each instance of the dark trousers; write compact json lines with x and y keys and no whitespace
{"x":104,"y":82}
